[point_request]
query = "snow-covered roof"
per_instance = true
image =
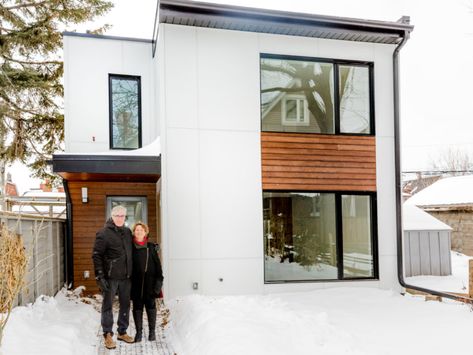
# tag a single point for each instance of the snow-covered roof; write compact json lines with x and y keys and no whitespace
{"x":44,"y":194}
{"x":414,"y":218}
{"x":456,"y":190}
{"x":153,"y":149}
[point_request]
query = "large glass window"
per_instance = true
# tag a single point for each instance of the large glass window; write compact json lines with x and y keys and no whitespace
{"x":136,"y":208}
{"x":302,"y":240}
{"x":125,"y":112}
{"x":315,"y":95}
{"x":300,"y":236}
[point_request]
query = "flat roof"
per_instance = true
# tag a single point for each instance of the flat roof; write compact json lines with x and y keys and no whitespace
{"x":201,"y":14}
{"x":114,"y":38}
{"x":107,"y":167}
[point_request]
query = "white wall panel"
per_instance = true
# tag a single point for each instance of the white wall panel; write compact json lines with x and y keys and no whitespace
{"x":228,"y":80}
{"x":383,"y":81}
{"x":386,"y":195}
{"x":183,"y":188}
{"x":330,"y":48}
{"x":182,"y":274}
{"x":181,"y":70}
{"x":277,"y":44}
{"x":231,"y":195}
{"x":232,"y":276}
{"x":388,"y":278}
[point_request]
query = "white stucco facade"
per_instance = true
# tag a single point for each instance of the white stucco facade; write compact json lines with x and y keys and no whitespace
{"x":88,"y":61}
{"x":209,"y":103}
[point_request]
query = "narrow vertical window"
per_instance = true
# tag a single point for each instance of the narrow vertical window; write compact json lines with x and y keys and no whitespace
{"x":125,"y":112}
{"x":354,"y":86}
{"x":357,"y":241}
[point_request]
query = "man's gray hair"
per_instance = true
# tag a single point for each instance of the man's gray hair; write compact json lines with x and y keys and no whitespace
{"x":117,"y":209}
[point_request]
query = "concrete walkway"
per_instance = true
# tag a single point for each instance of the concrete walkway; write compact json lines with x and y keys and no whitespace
{"x":158,"y":347}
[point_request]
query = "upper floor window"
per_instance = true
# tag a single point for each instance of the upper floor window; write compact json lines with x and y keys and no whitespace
{"x":125,"y":111}
{"x":309,"y":95}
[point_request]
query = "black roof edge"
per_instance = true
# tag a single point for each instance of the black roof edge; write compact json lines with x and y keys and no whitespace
{"x":115,"y":38}
{"x":399,"y":27}
{"x":106,"y":164}
{"x":104,"y":157}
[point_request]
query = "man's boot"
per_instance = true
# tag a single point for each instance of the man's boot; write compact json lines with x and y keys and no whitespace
{"x":138,"y":318}
{"x":108,"y":341}
{"x":152,"y":323}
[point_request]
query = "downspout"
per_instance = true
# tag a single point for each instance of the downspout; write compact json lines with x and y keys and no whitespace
{"x":68,"y":257}
{"x":397,"y":163}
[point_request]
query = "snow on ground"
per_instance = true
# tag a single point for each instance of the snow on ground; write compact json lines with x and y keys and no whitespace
{"x":59,"y":325}
{"x":457,"y":282}
{"x":336,"y":321}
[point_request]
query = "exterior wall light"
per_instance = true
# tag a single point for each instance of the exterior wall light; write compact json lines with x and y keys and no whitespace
{"x":85,"y":198}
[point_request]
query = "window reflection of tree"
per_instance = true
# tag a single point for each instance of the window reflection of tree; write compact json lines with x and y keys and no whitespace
{"x":125,"y":113}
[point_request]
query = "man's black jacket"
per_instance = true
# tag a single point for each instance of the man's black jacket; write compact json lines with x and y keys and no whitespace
{"x":112,"y":254}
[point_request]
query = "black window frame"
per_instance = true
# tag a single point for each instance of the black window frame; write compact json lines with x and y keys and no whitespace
{"x":339,"y":236}
{"x":110,"y":108}
{"x":336,"y":87}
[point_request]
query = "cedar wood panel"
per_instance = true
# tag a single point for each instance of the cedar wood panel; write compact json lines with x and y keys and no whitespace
{"x":89,"y":217}
{"x":316,"y":162}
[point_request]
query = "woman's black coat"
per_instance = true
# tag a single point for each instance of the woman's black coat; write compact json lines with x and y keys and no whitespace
{"x":147,"y":277}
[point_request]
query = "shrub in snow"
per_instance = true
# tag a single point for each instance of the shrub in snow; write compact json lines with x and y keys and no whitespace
{"x":13,"y":262}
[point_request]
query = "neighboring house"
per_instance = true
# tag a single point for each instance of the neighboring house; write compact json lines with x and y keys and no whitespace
{"x":426,"y":243}
{"x":43,"y":201}
{"x":258,"y":145}
{"x":10,"y":187}
{"x":413,"y":185}
{"x":451,"y":201}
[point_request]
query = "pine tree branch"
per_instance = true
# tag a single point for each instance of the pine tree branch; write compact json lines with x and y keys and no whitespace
{"x":284,"y":89}
{"x":29,"y":4}
{"x":32,"y":61}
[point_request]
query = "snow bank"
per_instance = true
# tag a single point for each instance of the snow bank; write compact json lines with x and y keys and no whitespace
{"x":349,"y":321}
{"x":52,"y":325}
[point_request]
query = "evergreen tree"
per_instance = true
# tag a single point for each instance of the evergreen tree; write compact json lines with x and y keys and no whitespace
{"x":31,"y":125}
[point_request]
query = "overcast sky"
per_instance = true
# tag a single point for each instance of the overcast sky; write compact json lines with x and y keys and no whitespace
{"x":436,"y":63}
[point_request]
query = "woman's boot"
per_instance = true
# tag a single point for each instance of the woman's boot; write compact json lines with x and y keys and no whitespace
{"x":138,"y":318}
{"x":152,"y":323}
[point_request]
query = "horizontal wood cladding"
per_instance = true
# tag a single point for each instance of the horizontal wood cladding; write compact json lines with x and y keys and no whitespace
{"x":88,"y":218}
{"x":302,"y":161}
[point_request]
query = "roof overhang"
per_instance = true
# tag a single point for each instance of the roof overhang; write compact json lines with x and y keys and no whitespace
{"x":200,"y":14}
{"x":74,"y":167}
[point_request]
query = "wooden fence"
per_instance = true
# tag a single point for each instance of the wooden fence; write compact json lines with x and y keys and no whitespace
{"x":43,"y":238}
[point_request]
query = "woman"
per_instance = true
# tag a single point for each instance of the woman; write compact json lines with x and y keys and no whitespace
{"x":146,"y":280}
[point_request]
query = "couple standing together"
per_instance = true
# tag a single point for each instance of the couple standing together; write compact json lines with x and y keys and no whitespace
{"x":127,"y":264}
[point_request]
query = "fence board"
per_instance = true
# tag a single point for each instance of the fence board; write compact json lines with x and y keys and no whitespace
{"x":44,"y":243}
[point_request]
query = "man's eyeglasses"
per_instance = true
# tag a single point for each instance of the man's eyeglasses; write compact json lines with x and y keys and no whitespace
{"x":119,"y":215}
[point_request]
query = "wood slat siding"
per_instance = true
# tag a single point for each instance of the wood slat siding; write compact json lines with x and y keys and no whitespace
{"x":299,"y":161}
{"x":89,"y":217}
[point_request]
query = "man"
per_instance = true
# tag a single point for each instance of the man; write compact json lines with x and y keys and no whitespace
{"x":112,"y":257}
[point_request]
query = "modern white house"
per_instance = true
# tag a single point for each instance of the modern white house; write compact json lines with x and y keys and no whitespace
{"x":261,"y":147}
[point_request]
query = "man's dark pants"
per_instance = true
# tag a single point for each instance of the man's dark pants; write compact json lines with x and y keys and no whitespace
{"x":122,"y":287}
